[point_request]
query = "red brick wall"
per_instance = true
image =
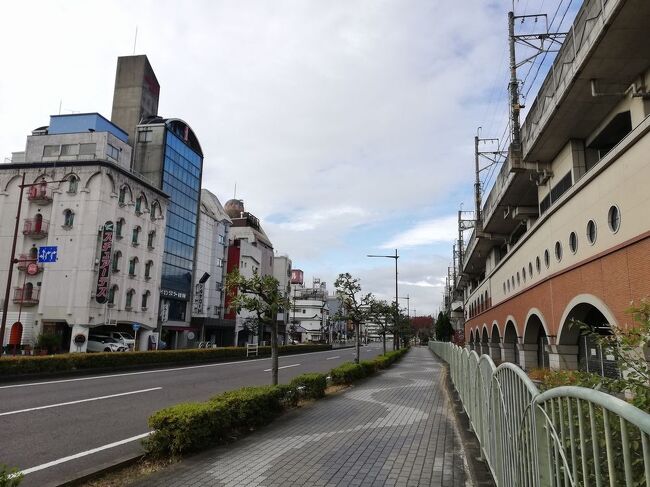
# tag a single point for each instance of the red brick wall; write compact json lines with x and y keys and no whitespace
{"x":617,"y":277}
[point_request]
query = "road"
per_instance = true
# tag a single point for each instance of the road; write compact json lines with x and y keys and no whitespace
{"x":61,"y":429}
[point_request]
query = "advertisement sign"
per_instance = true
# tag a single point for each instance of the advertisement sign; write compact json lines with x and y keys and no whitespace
{"x":101,"y":293}
{"x":296,"y":276}
{"x":199,"y":292}
{"x":172,"y":293}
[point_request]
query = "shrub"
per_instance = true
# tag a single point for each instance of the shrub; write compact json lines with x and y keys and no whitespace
{"x":10,"y":477}
{"x":314,"y":385}
{"x":347,"y":373}
{"x":369,"y":367}
{"x":24,"y":365}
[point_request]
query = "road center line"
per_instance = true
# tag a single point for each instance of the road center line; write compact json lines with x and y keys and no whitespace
{"x":155,"y":371}
{"x":80,"y":401}
{"x":332,"y":358}
{"x":83,"y":454}
{"x":283,"y":367}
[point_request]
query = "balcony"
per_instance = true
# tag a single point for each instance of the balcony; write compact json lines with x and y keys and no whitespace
{"x":41,"y":194}
{"x":36,"y":228}
{"x":25,"y":259}
{"x":27,"y":296}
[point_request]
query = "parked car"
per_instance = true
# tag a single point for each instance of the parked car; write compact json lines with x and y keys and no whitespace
{"x":98,"y":343}
{"x":124,"y":338}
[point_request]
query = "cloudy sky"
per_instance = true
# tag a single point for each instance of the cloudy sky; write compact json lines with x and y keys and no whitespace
{"x":347,"y":125}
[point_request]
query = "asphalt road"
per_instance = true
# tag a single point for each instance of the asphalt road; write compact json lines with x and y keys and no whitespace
{"x":62,"y":429}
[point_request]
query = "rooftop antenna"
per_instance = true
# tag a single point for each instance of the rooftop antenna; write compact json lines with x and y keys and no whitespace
{"x":135,"y":40}
{"x":60,"y":103}
{"x":234,"y":195}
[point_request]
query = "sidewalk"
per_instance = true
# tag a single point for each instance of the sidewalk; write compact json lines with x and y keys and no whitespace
{"x":395,"y":429}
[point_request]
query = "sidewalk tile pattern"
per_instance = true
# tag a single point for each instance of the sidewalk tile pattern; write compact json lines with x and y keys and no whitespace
{"x":395,"y":429}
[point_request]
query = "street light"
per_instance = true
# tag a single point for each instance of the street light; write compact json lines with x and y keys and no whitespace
{"x":396,"y":256}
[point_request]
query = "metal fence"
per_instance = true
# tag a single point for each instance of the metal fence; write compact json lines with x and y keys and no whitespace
{"x":566,"y":436}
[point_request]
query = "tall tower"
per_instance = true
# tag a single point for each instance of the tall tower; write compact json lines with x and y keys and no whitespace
{"x":136,"y":93}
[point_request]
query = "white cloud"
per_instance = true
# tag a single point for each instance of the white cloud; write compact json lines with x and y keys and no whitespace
{"x":437,"y":230}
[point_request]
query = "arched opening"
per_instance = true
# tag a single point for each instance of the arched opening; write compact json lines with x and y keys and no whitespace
{"x":495,"y":344}
{"x":535,"y":340}
{"x":38,"y":223}
{"x":16,"y":335}
{"x":485,"y":342}
{"x":477,"y":341}
{"x":582,"y":323}
{"x":510,"y":343}
{"x":471,"y":340}
{"x":29,"y":292}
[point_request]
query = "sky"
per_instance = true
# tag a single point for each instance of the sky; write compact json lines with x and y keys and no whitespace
{"x":347,"y":126}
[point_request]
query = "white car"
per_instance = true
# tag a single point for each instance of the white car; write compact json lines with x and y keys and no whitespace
{"x":97,"y":343}
{"x":124,"y":338}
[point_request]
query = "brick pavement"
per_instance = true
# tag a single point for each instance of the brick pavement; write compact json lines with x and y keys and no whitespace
{"x":395,"y":429}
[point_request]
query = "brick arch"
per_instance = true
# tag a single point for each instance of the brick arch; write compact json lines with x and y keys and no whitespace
{"x":533,"y":313}
{"x":495,"y":328}
{"x":579,"y":308}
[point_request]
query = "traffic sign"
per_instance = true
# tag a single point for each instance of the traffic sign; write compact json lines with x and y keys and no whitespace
{"x":32,"y":269}
{"x":47,"y":254}
{"x":135,"y":326}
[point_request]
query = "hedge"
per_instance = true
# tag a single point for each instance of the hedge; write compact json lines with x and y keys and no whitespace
{"x":194,"y":426}
{"x":26,"y":365}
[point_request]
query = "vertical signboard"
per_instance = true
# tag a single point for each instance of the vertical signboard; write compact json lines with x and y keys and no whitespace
{"x":296,"y":276}
{"x":199,"y":291}
{"x":101,"y":293}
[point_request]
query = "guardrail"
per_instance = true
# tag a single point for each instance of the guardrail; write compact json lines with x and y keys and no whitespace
{"x":566,"y":436}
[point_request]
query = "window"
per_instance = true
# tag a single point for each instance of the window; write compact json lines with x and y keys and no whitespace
{"x":132,"y":266}
{"x":119,"y":226}
{"x":112,"y":152}
{"x":147,"y":269}
{"x":591,"y":232}
{"x":155,"y":210}
{"x":51,"y":150}
{"x":87,"y":149}
{"x":530,"y":269}
{"x":129,"y":299}
{"x":573,"y":242}
{"x":614,"y":218}
{"x":73,"y":183}
{"x":145,"y":136}
{"x":518,"y":279}
{"x":122,"y":198}
{"x":558,"y":251}
{"x":68,"y":218}
{"x":538,"y":265}
{"x":523,"y":274}
{"x":547,"y":259}
{"x":69,"y":149}
{"x":508,"y":285}
{"x":111,"y":295}
{"x":138,"y":205}
{"x":221,"y":239}
{"x":116,"y":261}
{"x":145,"y":298}
{"x":150,"y":239}
{"x":135,"y":236}
{"x":504,"y":288}
{"x":219,"y":262}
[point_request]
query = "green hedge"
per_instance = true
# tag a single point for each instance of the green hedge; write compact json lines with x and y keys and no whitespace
{"x":314,"y":385}
{"x":26,"y":365}
{"x":349,"y":372}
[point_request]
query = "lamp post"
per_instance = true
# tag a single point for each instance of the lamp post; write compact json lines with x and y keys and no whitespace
{"x":396,"y":256}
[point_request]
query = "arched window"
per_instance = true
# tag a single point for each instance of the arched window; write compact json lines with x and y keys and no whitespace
{"x":33,"y":253}
{"x":116,"y":261}
{"x":112,"y":292}
{"x":135,"y":235}
{"x":147,"y":269}
{"x":122,"y":197}
{"x":138,"y":205}
{"x":68,"y":218}
{"x":132,"y":266}
{"x":129,"y":299}
{"x":145,"y":299}
{"x":73,"y":183}
{"x":119,"y":226}
{"x":155,"y":210}
{"x":29,"y":291}
{"x":150,"y":238}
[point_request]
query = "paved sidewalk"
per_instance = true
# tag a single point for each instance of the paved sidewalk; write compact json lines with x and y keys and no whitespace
{"x":395,"y":429}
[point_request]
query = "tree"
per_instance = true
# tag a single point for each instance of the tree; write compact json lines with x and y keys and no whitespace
{"x":260,"y":295}
{"x":444,"y":329}
{"x":382,"y":314}
{"x":354,"y":306}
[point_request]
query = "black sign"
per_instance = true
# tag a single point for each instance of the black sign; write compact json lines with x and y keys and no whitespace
{"x":79,"y":339}
{"x":171,"y":293}
{"x":101,"y":294}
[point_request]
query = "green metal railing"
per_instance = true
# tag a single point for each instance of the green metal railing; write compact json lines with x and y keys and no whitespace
{"x":566,"y":436}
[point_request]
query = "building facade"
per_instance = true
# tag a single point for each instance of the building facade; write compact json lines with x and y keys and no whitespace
{"x":563,"y":235}
{"x":81,"y":195}
{"x":309,"y":311}
{"x":210,"y":273}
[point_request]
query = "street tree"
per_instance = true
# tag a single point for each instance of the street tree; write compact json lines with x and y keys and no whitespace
{"x":444,"y":330}
{"x":261,"y":296}
{"x":355,"y":306}
{"x":382,"y":314}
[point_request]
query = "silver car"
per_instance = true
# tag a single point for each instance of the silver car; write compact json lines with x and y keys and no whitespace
{"x":99,"y":343}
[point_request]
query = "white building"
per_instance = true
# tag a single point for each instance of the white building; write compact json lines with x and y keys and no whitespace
{"x":309,"y":313}
{"x":210,"y":273}
{"x":82,"y":195}
{"x":282,"y":272}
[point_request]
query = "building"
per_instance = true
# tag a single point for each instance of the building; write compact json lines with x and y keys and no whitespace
{"x":563,"y":234}
{"x":282,"y":272}
{"x":250,"y":251}
{"x":210,"y":273}
{"x":105,"y":223}
{"x":166,"y":152}
{"x":309,"y":311}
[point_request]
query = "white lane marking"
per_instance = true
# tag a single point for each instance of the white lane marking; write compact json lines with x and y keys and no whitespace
{"x":283,"y":367}
{"x":83,"y":454}
{"x":99,"y":398}
{"x":156,"y":371}
{"x":332,"y":358}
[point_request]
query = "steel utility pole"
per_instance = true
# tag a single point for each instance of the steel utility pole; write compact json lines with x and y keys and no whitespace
{"x":395,"y":338}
